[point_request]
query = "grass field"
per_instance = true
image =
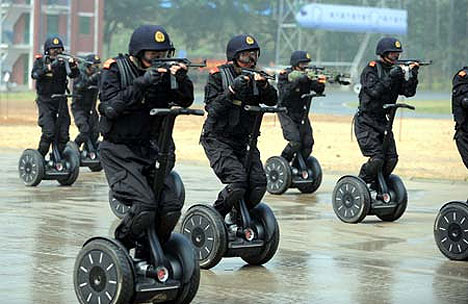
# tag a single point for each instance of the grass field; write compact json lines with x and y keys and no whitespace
{"x":422,"y":106}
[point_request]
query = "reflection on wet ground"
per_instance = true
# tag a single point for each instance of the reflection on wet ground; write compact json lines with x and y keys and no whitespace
{"x":320,"y":259}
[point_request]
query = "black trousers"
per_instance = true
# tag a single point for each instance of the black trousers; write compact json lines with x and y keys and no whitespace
{"x":461,"y":138}
{"x":54,"y":120}
{"x":87,"y":123}
{"x":298,"y":134}
{"x":129,"y":171}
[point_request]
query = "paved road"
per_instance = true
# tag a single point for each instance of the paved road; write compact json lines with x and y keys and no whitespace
{"x":320,"y":259}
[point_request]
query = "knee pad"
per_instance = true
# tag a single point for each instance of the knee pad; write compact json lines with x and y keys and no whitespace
{"x":389,"y":166}
{"x":166,"y":223}
{"x":370,"y":169}
{"x":295,"y":146}
{"x":254,"y":196}
{"x":140,"y":223}
{"x":230,"y":195}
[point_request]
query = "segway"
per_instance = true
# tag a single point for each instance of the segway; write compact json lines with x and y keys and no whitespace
{"x":451,"y":230}
{"x":386,"y":198}
{"x":105,"y":271}
{"x":254,"y":235}
{"x":305,"y":175}
{"x":62,"y":167}
{"x":89,"y":154}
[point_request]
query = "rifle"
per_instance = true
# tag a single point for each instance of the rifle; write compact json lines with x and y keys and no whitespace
{"x":166,"y":63}
{"x":66,"y":59}
{"x":322,"y":75}
{"x":408,"y":62}
{"x":251,"y":72}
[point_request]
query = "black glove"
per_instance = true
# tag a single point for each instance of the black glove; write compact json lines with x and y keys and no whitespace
{"x":464,"y":103}
{"x":56,"y":63}
{"x":414,"y":71}
{"x":151,"y":77}
{"x":240,"y":86}
{"x":106,"y":110}
{"x":304,"y":79}
{"x":181,"y":74}
{"x":93,"y":79}
{"x":396,"y":73}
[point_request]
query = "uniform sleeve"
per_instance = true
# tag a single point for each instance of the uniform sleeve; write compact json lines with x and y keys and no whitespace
{"x":218,"y":101}
{"x":75,"y":71}
{"x":115,"y":99}
{"x":459,"y":91}
{"x":372,"y":85}
{"x":80,"y":83}
{"x":183,"y":96}
{"x":39,"y":69}
{"x":317,"y":87}
{"x":408,"y":87}
{"x":268,"y":95}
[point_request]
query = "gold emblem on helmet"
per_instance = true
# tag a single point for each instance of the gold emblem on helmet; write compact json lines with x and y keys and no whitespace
{"x":249,"y":40}
{"x":55,"y":41}
{"x":96,"y":58}
{"x":398,"y":44}
{"x":159,"y":37}
{"x":307,"y":56}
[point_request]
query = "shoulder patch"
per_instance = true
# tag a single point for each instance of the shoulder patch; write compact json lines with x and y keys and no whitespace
{"x":108,"y":63}
{"x":372,"y":63}
{"x":214,"y":70}
{"x":462,"y":73}
{"x":38,"y":56}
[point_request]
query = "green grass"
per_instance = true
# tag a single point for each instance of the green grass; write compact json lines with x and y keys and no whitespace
{"x":422,"y":106}
{"x":19,"y":96}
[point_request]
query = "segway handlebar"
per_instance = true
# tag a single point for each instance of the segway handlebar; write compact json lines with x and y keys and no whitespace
{"x":177,"y":111}
{"x":398,"y":105}
{"x":312,"y":94}
{"x":250,"y":108}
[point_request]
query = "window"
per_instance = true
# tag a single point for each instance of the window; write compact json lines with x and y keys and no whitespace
{"x":85,"y":24}
{"x":52,"y":25}
{"x":26,"y":32}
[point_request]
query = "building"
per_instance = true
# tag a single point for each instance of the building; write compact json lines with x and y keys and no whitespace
{"x":25,"y":24}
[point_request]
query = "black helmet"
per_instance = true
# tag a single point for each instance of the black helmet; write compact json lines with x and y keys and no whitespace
{"x":149,"y":38}
{"x":92,"y":59}
{"x":52,"y":42}
{"x":239,"y":44}
{"x":388,"y":44}
{"x":299,"y":56}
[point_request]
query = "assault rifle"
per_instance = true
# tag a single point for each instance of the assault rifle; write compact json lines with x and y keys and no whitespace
{"x":166,"y":63}
{"x":408,"y":62}
{"x":251,"y":72}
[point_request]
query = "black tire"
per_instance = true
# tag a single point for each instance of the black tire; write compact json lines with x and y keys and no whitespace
{"x":31,"y":167}
{"x":314,"y":166}
{"x":117,"y":207}
{"x":103,"y":271}
{"x":205,"y":229}
{"x":271,"y":246}
{"x":72,"y":158}
{"x":189,"y":289}
{"x":451,"y":231}
{"x":399,"y":195}
{"x":278,"y":174}
{"x":351,"y":199}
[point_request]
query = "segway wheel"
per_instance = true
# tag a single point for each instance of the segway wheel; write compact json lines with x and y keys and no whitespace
{"x":180,"y":252}
{"x":117,"y":207}
{"x":73,"y":159}
{"x":103,"y":274}
{"x":278,"y":175}
{"x":261,"y":215}
{"x":451,"y":230}
{"x":205,"y":228}
{"x":351,"y":199}
{"x":31,"y":167}
{"x":399,"y":195}
{"x":314,"y":166}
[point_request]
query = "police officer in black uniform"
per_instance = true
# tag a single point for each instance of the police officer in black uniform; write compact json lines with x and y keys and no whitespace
{"x":130,"y":89}
{"x":227,"y":127}
{"x":382,"y":82}
{"x":460,"y":112}
{"x":51,"y":78}
{"x":85,"y":91}
{"x":292,"y":84}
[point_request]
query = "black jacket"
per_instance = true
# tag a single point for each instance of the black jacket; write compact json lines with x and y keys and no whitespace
{"x":51,"y":82}
{"x":290,"y":94}
{"x":226,"y":115}
{"x":125,"y":117}
{"x":85,"y":89}
{"x":460,"y":91}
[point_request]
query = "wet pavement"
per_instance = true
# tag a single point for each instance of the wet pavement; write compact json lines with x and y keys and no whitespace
{"x":320,"y":259}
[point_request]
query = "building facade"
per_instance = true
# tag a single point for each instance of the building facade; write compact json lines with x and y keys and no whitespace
{"x":26,"y":24}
